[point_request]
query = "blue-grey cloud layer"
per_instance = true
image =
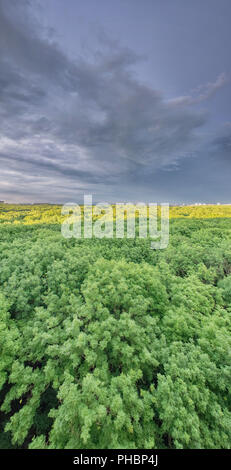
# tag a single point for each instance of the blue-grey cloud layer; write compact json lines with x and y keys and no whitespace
{"x":71,"y":126}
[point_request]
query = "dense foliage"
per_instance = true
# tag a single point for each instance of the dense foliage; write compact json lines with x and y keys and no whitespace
{"x":109,"y":344}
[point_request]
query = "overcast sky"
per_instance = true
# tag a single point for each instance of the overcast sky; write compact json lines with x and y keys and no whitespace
{"x":127,"y":100}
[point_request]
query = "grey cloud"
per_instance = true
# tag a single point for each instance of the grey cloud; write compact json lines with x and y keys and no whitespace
{"x":201,"y":93}
{"x":84,"y":121}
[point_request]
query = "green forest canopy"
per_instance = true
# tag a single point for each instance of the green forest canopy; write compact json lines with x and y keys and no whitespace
{"x":109,"y":344}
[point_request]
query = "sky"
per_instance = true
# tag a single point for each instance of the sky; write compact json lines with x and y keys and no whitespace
{"x":127,"y":100}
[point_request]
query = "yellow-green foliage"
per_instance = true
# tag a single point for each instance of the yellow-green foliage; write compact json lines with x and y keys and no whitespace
{"x":51,"y":214}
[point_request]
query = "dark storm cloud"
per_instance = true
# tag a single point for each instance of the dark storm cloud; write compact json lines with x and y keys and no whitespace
{"x":77,"y":123}
{"x":222,"y":143}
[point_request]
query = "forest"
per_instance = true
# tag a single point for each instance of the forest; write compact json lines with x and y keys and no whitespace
{"x":108,"y":344}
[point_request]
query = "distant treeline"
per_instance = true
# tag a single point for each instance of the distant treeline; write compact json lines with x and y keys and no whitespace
{"x":51,"y":214}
